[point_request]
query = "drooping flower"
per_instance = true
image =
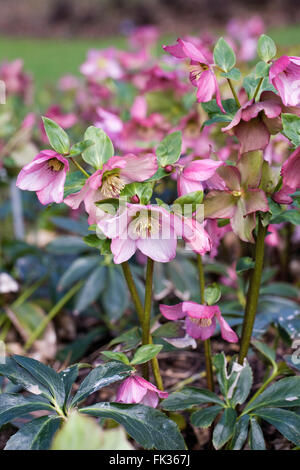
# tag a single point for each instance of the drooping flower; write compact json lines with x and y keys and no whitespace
{"x":254,"y":122}
{"x":152,"y":230}
{"x":17,"y":82}
{"x":290,"y":173}
{"x":46,"y":175}
{"x":111,"y":180}
{"x":242,"y":197}
{"x":201,"y":69}
{"x":195,"y":175}
{"x":284,"y":75}
{"x":135,"y":389}
{"x":200,"y":320}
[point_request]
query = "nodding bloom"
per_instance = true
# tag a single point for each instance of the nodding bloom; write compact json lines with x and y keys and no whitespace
{"x":201,"y":69}
{"x":17,"y":82}
{"x":197,"y":174}
{"x":102,"y":64}
{"x":111,"y":180}
{"x":242,"y":197}
{"x":284,"y":75}
{"x":46,"y":175}
{"x":255,"y":121}
{"x":290,"y":173}
{"x":152,"y":230}
{"x":135,"y":389}
{"x":200,"y":320}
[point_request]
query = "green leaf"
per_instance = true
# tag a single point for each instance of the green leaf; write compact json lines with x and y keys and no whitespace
{"x":264,"y":349}
{"x":114,"y":305}
{"x":242,"y":386}
{"x":266,"y":48}
{"x":130,"y":339}
{"x":256,"y":437}
{"x":203,"y":418}
{"x":147,"y":426}
{"x":66,"y":245}
{"x":188,"y":203}
{"x":262,"y":69}
{"x":13,"y":406}
{"x":58,"y":138}
{"x":80,"y":147}
{"x":285,"y":393}
{"x":116,"y":356}
{"x":35,"y":435}
{"x":48,"y":377}
{"x":102,"y":149}
{"x":244,"y":264}
{"x":291,"y":128}
{"x":146,"y":353}
{"x":189,"y":397}
{"x":142,"y":190}
{"x":74,"y":183}
{"x":225,"y":428}
{"x":100,"y":377}
{"x":212,"y":294}
{"x":69,"y":376}
{"x":240,"y":433}
{"x":77,"y":270}
{"x":292,"y":216}
{"x":224,"y":55}
{"x":91,"y":290}
{"x":234,"y":74}
{"x":285,"y":421}
{"x":169,"y":149}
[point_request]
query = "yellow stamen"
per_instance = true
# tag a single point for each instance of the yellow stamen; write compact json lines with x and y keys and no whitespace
{"x":203,"y":322}
{"x":236,"y":193}
{"x":112,"y":186}
{"x":145,"y":225}
{"x":55,"y":164}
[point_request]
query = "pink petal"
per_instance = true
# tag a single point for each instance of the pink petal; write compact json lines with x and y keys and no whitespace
{"x":199,"y":332}
{"x":159,"y":250}
{"x":139,"y":168}
{"x":252,"y":135}
{"x":255,"y":200}
{"x":194,"y":310}
{"x":122,"y":249}
{"x":187,"y":185}
{"x":172,"y":312}
{"x":206,"y":86}
{"x":219,"y":205}
{"x":201,"y":170}
{"x":227,"y":333}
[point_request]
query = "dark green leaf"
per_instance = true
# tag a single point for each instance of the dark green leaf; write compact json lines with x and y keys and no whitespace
{"x":74,"y":182}
{"x":244,"y":264}
{"x":115,"y":297}
{"x":264,"y":349}
{"x":189,"y":397}
{"x":204,"y":417}
{"x":256,"y":437}
{"x":69,"y":376}
{"x":147,"y":426}
{"x":13,"y":406}
{"x":77,"y":270}
{"x":240,"y":433}
{"x":91,"y":290}
{"x":225,"y":428}
{"x":243,"y":385}
{"x":287,"y":422}
{"x":35,"y":435}
{"x":116,"y":356}
{"x":100,"y":377}
{"x":66,"y":245}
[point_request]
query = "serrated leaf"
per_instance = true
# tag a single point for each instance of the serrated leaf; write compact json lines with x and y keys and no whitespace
{"x":13,"y":406}
{"x":285,"y":393}
{"x":243,"y":385}
{"x":285,"y":421}
{"x":256,"y":437}
{"x":224,"y":55}
{"x":100,"y":377}
{"x":189,"y":397}
{"x":169,"y":149}
{"x":69,"y":376}
{"x":204,"y":417}
{"x":240,"y":433}
{"x":146,"y":353}
{"x":225,"y":428}
{"x":58,"y":138}
{"x":147,"y":426}
{"x":101,"y":151}
{"x":35,"y":435}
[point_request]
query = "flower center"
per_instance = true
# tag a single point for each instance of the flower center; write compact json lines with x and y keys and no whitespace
{"x":236,"y":193}
{"x":55,"y":164}
{"x":145,"y":224}
{"x":196,"y":70}
{"x":112,"y":185}
{"x":202,"y":322}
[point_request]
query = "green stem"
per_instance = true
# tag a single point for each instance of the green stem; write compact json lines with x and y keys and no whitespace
{"x":257,"y":88}
{"x":140,"y":311}
{"x":53,"y":312}
{"x":146,"y":337}
{"x":253,"y":292}
{"x":234,"y":92}
{"x":207,"y":345}
{"x":79,"y":167}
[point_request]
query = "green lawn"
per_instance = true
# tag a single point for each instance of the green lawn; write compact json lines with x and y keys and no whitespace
{"x":49,"y":59}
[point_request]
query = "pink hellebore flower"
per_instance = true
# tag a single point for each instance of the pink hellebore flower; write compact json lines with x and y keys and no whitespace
{"x":46,"y":175}
{"x":242,"y":197}
{"x":111,"y":180}
{"x":152,"y":230}
{"x":194,"y":174}
{"x":201,"y":70}
{"x":135,"y":389}
{"x":255,"y":121}
{"x":284,"y":75}
{"x":200,"y":320}
{"x":290,"y":173}
{"x":102,"y":64}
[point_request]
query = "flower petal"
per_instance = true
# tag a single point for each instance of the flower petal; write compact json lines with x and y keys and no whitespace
{"x":172,"y":312}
